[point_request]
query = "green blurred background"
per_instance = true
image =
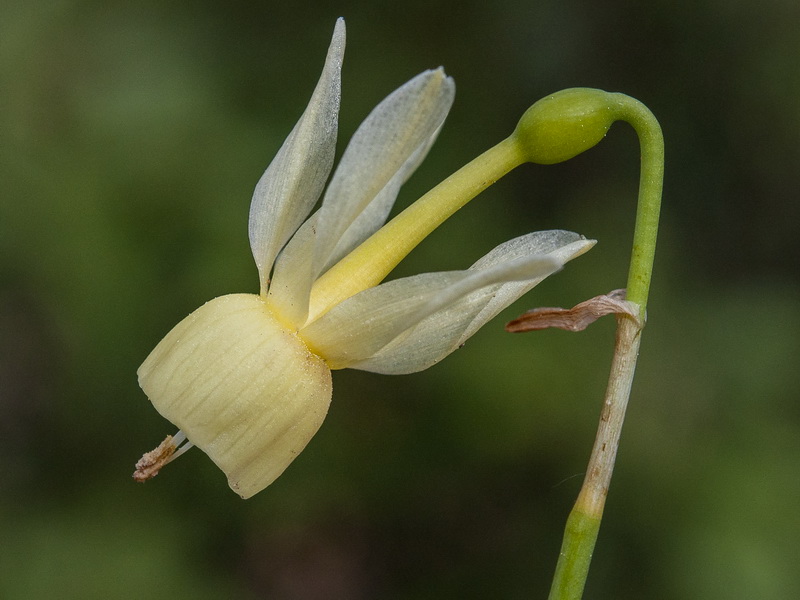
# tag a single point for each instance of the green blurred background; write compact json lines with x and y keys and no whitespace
{"x":131,"y":136}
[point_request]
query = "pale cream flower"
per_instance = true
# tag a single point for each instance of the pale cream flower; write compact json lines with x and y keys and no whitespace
{"x":247,"y":378}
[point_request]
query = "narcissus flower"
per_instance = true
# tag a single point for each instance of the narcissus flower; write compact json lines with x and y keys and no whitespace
{"x":246,"y":377}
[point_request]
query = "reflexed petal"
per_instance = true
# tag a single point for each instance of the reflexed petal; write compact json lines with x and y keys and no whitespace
{"x":293,"y":182}
{"x":393,"y":132}
{"x":291,"y":280}
{"x":444,"y":331}
{"x":361,"y":325}
{"x":242,"y":389}
{"x":375,"y":214}
{"x":293,"y":275}
{"x":382,"y":154}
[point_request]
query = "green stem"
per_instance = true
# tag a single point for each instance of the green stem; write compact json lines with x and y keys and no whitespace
{"x":580,"y":534}
{"x":651,"y":142}
{"x":584,"y":521}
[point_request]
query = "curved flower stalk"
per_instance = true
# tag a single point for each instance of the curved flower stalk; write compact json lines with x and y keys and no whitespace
{"x":247,"y":378}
